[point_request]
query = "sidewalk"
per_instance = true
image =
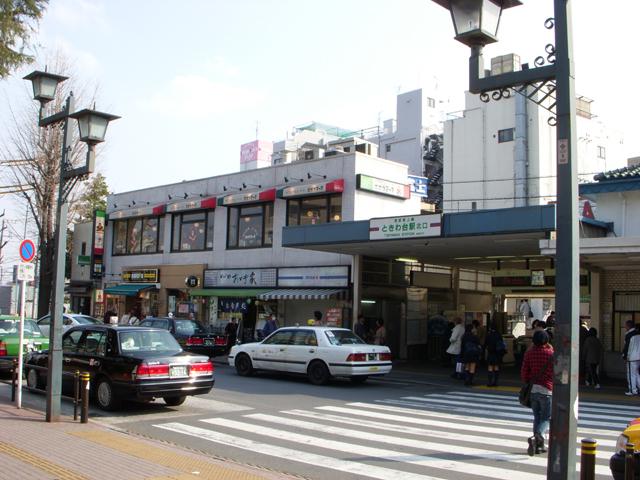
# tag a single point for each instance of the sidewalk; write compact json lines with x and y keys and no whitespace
{"x":67,"y":450}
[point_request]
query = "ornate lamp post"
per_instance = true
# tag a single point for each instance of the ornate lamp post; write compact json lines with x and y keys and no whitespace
{"x":550,"y":84}
{"x":93,"y":126}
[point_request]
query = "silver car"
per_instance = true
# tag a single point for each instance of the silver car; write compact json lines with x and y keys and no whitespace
{"x":69,"y":320}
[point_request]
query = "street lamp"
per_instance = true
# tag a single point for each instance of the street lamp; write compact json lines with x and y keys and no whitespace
{"x":549,"y":84}
{"x":93,"y":126}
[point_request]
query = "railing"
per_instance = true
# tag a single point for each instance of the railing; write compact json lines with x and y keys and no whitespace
{"x":80,"y":397}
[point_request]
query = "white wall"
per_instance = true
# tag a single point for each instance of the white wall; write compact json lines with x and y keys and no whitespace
{"x":621,"y":208}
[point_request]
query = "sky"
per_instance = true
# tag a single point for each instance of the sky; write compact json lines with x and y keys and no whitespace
{"x":195,"y":79}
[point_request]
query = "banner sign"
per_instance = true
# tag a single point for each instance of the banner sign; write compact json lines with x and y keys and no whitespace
{"x":149,"y":275}
{"x":335,"y":186}
{"x":383,"y":187}
{"x":419,"y":185}
{"x":240,"y":277}
{"x":410,"y":226}
{"x":138,"y":212}
{"x":337,"y":276}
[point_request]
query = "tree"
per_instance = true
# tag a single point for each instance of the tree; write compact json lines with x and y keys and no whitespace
{"x":32,"y":156}
{"x":93,"y":197}
{"x":18,"y":20}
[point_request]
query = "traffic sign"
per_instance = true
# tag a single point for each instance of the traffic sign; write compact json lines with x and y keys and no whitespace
{"x":26,"y":272}
{"x":27,"y":250}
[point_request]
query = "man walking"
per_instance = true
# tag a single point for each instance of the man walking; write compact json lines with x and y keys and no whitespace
{"x":631,"y":355}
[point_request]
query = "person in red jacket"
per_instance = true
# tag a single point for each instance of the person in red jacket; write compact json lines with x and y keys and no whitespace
{"x":537,"y":368}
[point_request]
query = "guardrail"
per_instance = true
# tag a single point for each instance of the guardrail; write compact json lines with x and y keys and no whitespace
{"x":80,"y":397}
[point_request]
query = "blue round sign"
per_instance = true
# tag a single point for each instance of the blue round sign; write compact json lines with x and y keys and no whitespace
{"x":27,"y":250}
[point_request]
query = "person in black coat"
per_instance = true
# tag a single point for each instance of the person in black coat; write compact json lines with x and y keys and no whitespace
{"x":471,"y":351}
{"x":496,"y":348}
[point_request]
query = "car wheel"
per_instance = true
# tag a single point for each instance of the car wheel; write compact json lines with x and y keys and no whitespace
{"x":318,"y":373}
{"x":33,"y":380}
{"x":104,"y":395}
{"x":359,"y":379}
{"x":243,"y":365}
{"x":174,"y":401}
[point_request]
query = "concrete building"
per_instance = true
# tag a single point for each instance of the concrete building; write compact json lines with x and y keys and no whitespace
{"x":501,"y":154}
{"x":256,"y":154}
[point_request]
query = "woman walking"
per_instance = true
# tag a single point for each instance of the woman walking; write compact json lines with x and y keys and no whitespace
{"x":496,"y":348}
{"x":537,"y":368}
{"x":471,"y":351}
{"x":591,"y":356}
{"x":455,"y":346}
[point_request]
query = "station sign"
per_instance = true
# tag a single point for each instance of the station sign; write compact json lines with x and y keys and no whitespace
{"x":410,"y":226}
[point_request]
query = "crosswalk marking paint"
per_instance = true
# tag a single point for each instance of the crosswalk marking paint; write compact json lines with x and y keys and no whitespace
{"x":362,"y":470}
{"x":373,"y":452}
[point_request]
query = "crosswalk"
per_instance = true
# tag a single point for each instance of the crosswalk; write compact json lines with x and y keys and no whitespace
{"x":437,"y":436}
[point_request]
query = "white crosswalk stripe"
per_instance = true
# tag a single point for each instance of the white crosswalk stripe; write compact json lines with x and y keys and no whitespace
{"x":438,"y":436}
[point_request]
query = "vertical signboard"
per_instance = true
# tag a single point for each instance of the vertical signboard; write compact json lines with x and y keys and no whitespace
{"x":97,"y":252}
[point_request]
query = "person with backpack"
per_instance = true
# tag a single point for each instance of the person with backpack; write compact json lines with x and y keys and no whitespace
{"x":495,"y":348}
{"x":471,"y":351}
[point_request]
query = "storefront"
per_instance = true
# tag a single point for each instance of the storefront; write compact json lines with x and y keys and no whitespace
{"x":138,"y":291}
{"x":302,"y":291}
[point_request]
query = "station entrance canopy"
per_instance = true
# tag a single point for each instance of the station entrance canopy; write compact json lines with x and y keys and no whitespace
{"x":478,"y":239}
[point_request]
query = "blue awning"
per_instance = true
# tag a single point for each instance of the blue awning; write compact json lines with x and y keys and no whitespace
{"x":128,"y":289}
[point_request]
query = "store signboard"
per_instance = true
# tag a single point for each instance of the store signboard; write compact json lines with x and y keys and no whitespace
{"x":294,"y":191}
{"x":250,"y":197}
{"x":382,"y":187}
{"x":149,"y":275}
{"x":138,"y":212}
{"x":199,"y":204}
{"x":419,"y":185}
{"x":336,"y":276}
{"x":410,"y":226}
{"x":99,"y":221}
{"x":240,"y":277}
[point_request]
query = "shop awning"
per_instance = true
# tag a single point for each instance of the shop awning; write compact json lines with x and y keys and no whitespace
{"x":227,"y":292}
{"x":304,"y":294}
{"x":128,"y":289}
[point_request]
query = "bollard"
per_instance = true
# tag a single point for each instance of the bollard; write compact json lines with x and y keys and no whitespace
{"x":84,"y":393}
{"x":588,"y":459}
{"x":14,"y":379}
{"x":76,"y":394}
{"x":629,"y":463}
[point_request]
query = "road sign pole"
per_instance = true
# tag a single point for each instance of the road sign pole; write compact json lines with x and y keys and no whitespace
{"x":23,"y":285}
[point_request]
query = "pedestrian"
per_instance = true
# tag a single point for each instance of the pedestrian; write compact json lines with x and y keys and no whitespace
{"x":631,"y":355}
{"x":524,"y":309}
{"x":583,"y":331}
{"x":360,"y":328}
{"x":231,"y":331}
{"x":537,"y":368}
{"x":133,"y":318}
{"x":481,"y":332}
{"x":496,"y":349}
{"x":125,"y":319}
{"x":592,"y":352}
{"x":455,"y":346}
{"x":317,"y":316}
{"x":380,"y":337}
{"x":471,"y":350}
{"x":269,"y":327}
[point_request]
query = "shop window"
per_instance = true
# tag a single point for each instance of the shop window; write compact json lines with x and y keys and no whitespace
{"x":192,"y":231}
{"x":137,"y":235}
{"x":314,"y":210}
{"x":602,"y":152}
{"x":250,"y":226}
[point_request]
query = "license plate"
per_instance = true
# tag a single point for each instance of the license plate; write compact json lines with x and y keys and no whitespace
{"x":208,"y":342}
{"x":371,"y":356}
{"x":178,"y":371}
{"x":373,"y":369}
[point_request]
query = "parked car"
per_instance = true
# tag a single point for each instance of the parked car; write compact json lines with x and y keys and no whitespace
{"x":127,"y":363}
{"x":318,"y":352}
{"x":68,"y":320}
{"x":630,"y":435}
{"x":190,"y":334}
{"x":10,"y":337}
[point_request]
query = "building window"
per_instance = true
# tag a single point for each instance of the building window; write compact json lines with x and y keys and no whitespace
{"x":83,"y":248}
{"x":314,"y":210}
{"x":602,"y":152}
{"x":431,"y":102}
{"x":192,"y":231}
{"x":250,"y":226}
{"x":387,"y":147}
{"x":138,"y":235}
{"x":505,"y":135}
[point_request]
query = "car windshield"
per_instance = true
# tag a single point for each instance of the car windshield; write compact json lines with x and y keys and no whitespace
{"x":85,"y":320}
{"x":188,"y":327}
{"x":343,"y":337}
{"x":12,"y":326}
{"x":135,"y":341}
{"x":8,"y":326}
{"x":31,"y":327}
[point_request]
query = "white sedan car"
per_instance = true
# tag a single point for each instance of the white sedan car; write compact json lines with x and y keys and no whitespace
{"x":318,"y":352}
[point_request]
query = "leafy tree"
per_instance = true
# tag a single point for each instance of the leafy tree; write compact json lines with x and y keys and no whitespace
{"x":18,"y":20}
{"x":93,"y":197}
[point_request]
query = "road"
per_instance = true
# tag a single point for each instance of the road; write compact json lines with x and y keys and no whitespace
{"x":381,"y":429}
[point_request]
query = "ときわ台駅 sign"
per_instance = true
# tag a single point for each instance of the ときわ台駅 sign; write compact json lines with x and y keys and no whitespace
{"x":409,"y":226}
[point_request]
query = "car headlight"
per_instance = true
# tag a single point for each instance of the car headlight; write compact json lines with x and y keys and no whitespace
{"x":621,"y":444}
